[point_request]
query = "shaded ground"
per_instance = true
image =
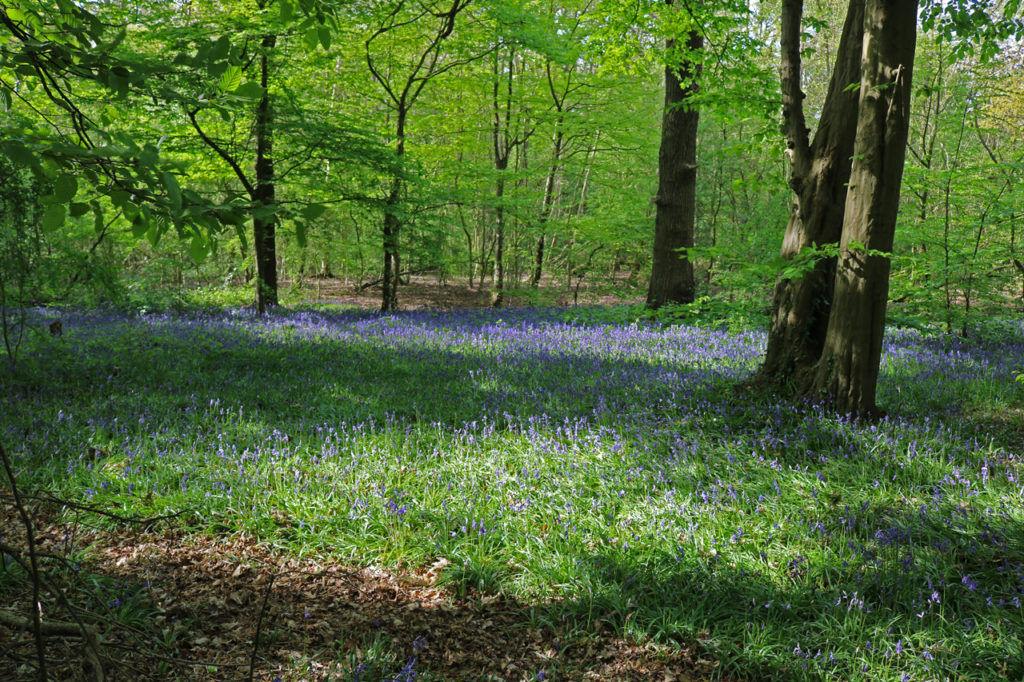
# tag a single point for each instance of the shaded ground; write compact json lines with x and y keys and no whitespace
{"x":198,"y":602}
{"x":427,"y":292}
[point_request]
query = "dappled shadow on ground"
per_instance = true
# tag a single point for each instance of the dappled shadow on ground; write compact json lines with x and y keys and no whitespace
{"x":164,"y":381}
{"x":980,"y":588}
{"x":197,"y":604}
{"x":354,"y":367}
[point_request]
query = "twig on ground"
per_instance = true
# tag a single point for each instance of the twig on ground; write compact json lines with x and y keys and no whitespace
{"x":47,"y":496}
{"x":259,"y":627}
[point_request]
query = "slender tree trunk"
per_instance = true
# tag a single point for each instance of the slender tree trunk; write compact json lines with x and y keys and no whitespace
{"x":498,"y":291}
{"x":502,"y":145}
{"x":820,"y":171}
{"x":391,"y":229}
{"x":550,"y":182}
{"x":672,"y":272}
{"x":581,"y":205}
{"x":393,"y":223}
{"x":538,"y":262}
{"x":548,"y":203}
{"x":848,"y":368}
{"x":264,"y":239}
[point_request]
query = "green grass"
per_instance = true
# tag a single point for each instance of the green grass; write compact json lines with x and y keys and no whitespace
{"x":605,"y":471}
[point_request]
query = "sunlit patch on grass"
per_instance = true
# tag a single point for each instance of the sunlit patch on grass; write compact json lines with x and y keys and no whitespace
{"x":608,"y":473}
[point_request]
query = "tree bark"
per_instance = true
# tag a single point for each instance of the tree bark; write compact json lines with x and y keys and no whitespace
{"x":549,"y":199}
{"x":264,"y":238}
{"x":498,"y":292}
{"x":848,"y":368}
{"x":503,"y":144}
{"x":391,"y":230}
{"x":547,"y":206}
{"x":672,"y":272}
{"x":538,"y":262}
{"x":819,"y":174}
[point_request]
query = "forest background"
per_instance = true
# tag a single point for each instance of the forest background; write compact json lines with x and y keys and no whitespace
{"x":507,"y":147}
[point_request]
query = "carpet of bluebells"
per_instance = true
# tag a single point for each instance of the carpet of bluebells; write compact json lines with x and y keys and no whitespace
{"x":617,"y":474}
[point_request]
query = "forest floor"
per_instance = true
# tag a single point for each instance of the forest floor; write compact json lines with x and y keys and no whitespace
{"x":522,"y":494}
{"x":318,"y":620}
{"x":427,"y":292}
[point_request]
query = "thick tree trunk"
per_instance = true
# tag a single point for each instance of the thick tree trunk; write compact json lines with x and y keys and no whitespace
{"x":848,"y":368}
{"x":819,"y":174}
{"x":264,"y":239}
{"x":672,"y":273}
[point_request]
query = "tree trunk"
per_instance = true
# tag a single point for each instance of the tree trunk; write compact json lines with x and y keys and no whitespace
{"x":552,"y":176}
{"x":549,"y":200}
{"x":819,"y":174}
{"x":393,"y":223}
{"x":264,"y":240}
{"x":848,"y":368}
{"x":392,"y":227}
{"x":672,"y":273}
{"x":498,"y":292}
{"x":538,"y":262}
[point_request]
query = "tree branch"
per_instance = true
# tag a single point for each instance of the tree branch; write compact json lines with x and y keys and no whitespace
{"x":212,"y":144}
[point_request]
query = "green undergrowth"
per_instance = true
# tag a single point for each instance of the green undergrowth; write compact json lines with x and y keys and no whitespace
{"x":614,"y":487}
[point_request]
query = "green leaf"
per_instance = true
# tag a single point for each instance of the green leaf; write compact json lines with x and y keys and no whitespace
{"x":15,"y":14}
{"x":197,"y":249}
{"x":311,"y":39}
{"x":219,"y":49}
{"x":53,"y":218}
{"x":140,"y":226}
{"x":5,"y":95}
{"x":325,"y":36}
{"x":249,"y":90}
{"x":20,"y":154}
{"x":232,"y":217}
{"x":153,"y":234}
{"x":313,"y":211}
{"x":243,"y":243}
{"x":116,"y":83}
{"x":287,"y":11}
{"x":266,"y":212}
{"x":173,"y":190}
{"x":64,"y":188}
{"x":97,"y":215}
{"x":300,"y":233}
{"x":120,"y":198}
{"x":231,"y":79}
{"x":79,"y":209}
